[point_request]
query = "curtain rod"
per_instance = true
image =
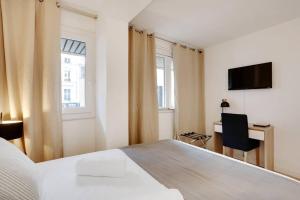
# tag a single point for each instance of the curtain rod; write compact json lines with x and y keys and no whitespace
{"x":139,"y":31}
{"x":76,"y":10}
{"x":174,"y":43}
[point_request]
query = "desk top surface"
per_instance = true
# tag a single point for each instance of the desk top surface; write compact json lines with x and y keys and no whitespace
{"x":252,"y":127}
{"x":10,"y":121}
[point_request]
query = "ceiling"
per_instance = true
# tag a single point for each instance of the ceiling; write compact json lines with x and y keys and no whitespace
{"x":202,"y":23}
{"x":120,"y":9}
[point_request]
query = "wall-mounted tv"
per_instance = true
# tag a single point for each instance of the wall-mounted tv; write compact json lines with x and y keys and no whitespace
{"x":250,"y":77}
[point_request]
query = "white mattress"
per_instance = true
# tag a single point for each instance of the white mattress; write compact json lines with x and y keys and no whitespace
{"x":59,"y":181}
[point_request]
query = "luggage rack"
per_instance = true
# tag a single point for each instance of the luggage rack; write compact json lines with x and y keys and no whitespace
{"x":196,"y":137}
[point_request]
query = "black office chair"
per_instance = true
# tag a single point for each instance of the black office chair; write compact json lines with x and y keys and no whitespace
{"x":236,"y":135}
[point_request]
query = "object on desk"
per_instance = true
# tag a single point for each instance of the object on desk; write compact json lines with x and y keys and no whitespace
{"x":194,"y":137}
{"x":224,"y":104}
{"x":262,"y":124}
{"x":12,"y":129}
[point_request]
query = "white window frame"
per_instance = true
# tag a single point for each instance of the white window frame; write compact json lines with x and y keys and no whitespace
{"x":88,"y":111}
{"x":164,"y":49}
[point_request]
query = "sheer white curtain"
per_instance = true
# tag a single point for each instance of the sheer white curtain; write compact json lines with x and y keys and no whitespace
{"x":30,"y":73}
{"x":189,"y":90}
{"x":143,"y":106}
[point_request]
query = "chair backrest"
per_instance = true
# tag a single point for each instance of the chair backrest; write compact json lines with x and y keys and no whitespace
{"x":235,"y":131}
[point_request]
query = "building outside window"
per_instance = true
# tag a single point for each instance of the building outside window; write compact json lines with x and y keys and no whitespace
{"x":67,"y":60}
{"x":67,"y":94}
{"x":73,"y":60}
{"x":67,"y":76}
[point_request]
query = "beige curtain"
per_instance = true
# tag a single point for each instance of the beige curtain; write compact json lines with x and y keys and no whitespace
{"x":189,"y":90}
{"x":143,"y":106}
{"x":30,"y":73}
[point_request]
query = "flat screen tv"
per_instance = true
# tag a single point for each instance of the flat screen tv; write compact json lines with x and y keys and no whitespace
{"x":250,"y":77}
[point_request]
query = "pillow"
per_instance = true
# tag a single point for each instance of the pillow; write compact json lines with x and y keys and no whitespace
{"x":18,"y":174}
{"x":113,"y":166}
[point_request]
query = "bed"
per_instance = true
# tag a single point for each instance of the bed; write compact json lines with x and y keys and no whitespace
{"x":151,"y":168}
{"x":202,"y":174}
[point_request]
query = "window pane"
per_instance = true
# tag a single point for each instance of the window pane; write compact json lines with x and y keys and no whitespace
{"x":172,"y":92}
{"x":165,"y":82}
{"x":67,"y":94}
{"x":73,"y":73}
{"x":160,"y":62}
{"x":161,"y":87}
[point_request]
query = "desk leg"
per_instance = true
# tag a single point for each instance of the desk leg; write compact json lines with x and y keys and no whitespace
{"x":269,"y":150}
{"x":218,"y":143}
{"x":23,"y":144}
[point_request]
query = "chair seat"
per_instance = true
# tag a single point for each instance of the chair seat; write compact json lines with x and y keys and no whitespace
{"x":252,"y":144}
{"x":236,"y":134}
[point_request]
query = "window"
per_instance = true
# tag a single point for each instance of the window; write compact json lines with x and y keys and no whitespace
{"x":161,"y":83}
{"x":67,"y":94}
{"x":165,"y":82}
{"x":67,"y":76}
{"x":73,"y":56}
{"x":78,"y":67}
{"x":67,"y":60}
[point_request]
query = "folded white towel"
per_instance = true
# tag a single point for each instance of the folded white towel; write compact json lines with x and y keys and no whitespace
{"x":112,"y":166}
{"x":167,"y":194}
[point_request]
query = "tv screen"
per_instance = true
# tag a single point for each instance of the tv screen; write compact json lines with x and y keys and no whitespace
{"x":250,"y":77}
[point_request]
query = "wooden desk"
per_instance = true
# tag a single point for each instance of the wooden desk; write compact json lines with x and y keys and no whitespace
{"x":264,"y":134}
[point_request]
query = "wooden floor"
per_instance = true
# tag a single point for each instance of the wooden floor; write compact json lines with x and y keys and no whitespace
{"x":199,"y":174}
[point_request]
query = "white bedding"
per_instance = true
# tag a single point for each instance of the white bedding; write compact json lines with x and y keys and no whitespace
{"x":60,"y":182}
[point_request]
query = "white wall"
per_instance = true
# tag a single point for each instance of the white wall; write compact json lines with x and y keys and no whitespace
{"x":78,"y":136}
{"x":280,"y":105}
{"x":166,"y":124}
{"x":112,"y":83}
